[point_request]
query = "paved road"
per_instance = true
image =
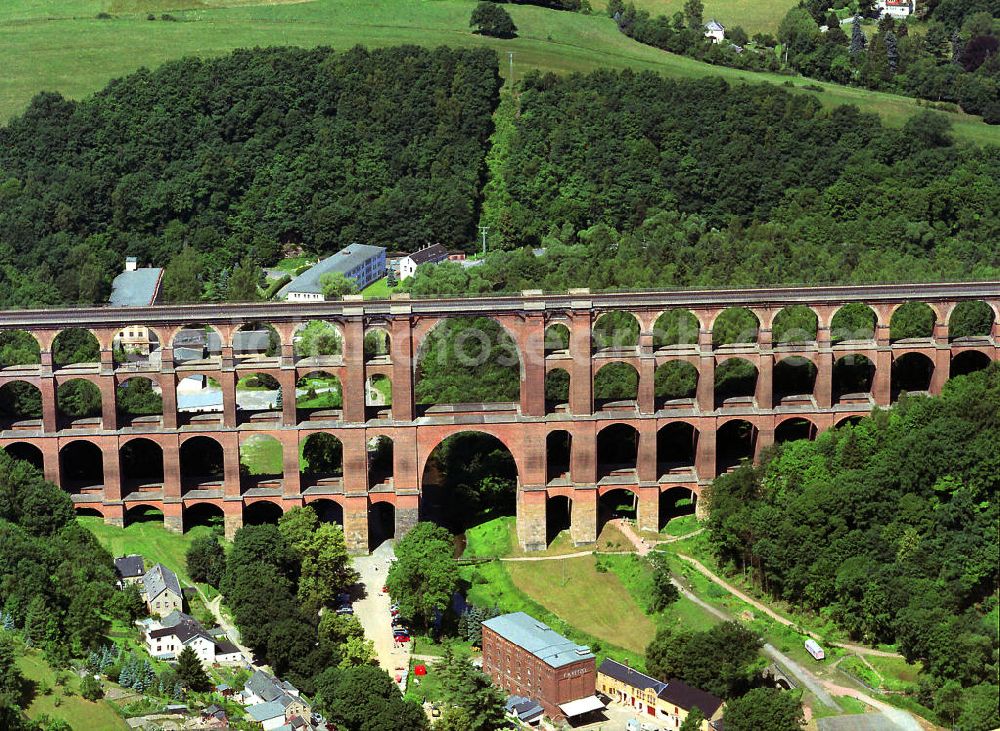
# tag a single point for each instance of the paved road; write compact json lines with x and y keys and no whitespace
{"x":372,"y":610}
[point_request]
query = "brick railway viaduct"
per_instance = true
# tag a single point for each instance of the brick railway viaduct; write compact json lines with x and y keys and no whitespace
{"x":677,"y":444}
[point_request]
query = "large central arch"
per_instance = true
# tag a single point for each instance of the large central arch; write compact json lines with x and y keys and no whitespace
{"x":468,"y":476}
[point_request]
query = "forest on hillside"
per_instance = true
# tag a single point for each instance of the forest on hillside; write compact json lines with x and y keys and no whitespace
{"x":239,"y":156}
{"x":633,"y":180}
{"x":217,"y":168}
{"x":889,"y":529}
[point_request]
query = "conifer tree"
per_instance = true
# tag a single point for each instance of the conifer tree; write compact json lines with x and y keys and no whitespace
{"x":858,"y":42}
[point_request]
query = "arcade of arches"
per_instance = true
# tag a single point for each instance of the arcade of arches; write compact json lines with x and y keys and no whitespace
{"x":606,"y":398}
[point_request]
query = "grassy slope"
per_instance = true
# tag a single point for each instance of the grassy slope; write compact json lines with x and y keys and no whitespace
{"x":73,"y":709}
{"x":61,"y":46}
{"x":150,"y":539}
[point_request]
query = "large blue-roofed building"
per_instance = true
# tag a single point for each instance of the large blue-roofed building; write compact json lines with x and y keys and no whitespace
{"x":360,"y":262}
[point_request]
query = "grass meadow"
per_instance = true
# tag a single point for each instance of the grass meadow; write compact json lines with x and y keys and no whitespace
{"x":61,"y":45}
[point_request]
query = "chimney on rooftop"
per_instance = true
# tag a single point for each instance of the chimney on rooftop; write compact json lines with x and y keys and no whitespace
{"x":131,"y":264}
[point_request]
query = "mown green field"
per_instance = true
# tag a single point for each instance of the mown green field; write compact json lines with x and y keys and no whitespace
{"x":60,"y":45}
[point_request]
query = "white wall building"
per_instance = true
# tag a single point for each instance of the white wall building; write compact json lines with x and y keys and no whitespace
{"x":715,"y":30}
{"x":898,"y":8}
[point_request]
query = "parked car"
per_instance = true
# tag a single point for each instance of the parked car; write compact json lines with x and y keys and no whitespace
{"x":345,"y":610}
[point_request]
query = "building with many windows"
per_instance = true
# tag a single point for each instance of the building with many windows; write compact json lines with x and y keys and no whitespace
{"x":360,"y":262}
{"x":667,"y":701}
{"x":527,"y":658}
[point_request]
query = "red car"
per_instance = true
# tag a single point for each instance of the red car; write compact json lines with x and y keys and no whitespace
{"x":385,"y":589}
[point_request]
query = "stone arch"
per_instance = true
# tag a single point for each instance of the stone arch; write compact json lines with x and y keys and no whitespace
{"x":328,"y":510}
{"x":203,"y":512}
{"x":137,"y":397}
{"x":557,"y":384}
{"x":317,"y":392}
{"x":912,"y":321}
{"x":136,"y":346}
{"x":793,"y":376}
{"x":89,"y":510}
{"x":380,"y":450}
{"x":853,"y":322}
{"x":259,"y":396}
{"x":558,"y":455}
{"x":318,"y":342}
{"x":968,"y":361}
{"x":260,"y":512}
{"x":378,"y":396}
{"x":481,"y":357}
{"x":81,"y":466}
{"x":78,"y":398}
{"x":971,"y":319}
{"x":735,"y":382}
{"x":198,"y":393}
{"x":795,"y":428}
{"x":617,"y":451}
{"x":141,"y":465}
{"x":254,"y":341}
{"x":26,"y":452}
{"x":20,"y":401}
{"x":795,"y":324}
{"x":456,"y":465}
{"x":261,"y":459}
{"x":676,"y":447}
{"x":19,"y":348}
{"x":202,"y":463}
{"x":75,"y":346}
{"x":736,"y":441}
{"x":676,"y":501}
{"x":615,"y":331}
{"x":556,"y":339}
{"x":321,"y":459}
{"x":911,"y":372}
{"x":558,"y":516}
{"x":194,"y":343}
{"x":616,"y":503}
{"x":852,"y":374}
{"x":852,"y":420}
{"x":615,"y":382}
{"x":377,"y":345}
{"x":143,"y":512}
{"x":675,"y":380}
{"x":676,"y":328}
{"x":381,"y":523}
{"x":735,"y":326}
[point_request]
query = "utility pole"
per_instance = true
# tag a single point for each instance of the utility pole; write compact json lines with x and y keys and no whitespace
{"x":483,"y":230}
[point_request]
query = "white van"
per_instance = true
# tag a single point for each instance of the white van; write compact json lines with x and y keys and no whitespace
{"x":814,"y":649}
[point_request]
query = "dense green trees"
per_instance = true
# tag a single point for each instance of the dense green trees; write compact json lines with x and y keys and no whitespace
{"x":276,"y":580}
{"x":489,"y":19}
{"x":465,"y":686}
{"x":206,"y":560}
{"x":889,"y":528}
{"x":190,"y":674}
{"x":722,"y":660}
{"x":214,"y":165}
{"x":365,"y":697}
{"x":424,"y":577}
{"x":770,"y":708}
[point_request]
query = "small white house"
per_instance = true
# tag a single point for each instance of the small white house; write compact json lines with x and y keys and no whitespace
{"x":409,"y":264}
{"x":898,"y":8}
{"x":166,"y":638}
{"x":715,"y":30}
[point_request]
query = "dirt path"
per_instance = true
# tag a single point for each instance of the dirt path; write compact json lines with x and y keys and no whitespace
{"x":232,"y":631}
{"x":578,"y":554}
{"x":642,"y":547}
{"x":859,"y":649}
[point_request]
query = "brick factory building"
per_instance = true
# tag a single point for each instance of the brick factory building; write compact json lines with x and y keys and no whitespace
{"x":527,"y":658}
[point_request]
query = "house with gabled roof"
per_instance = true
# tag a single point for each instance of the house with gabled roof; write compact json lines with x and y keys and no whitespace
{"x":409,"y":264}
{"x":129,"y":569}
{"x":162,"y":591}
{"x":667,"y":700}
{"x":715,"y":31}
